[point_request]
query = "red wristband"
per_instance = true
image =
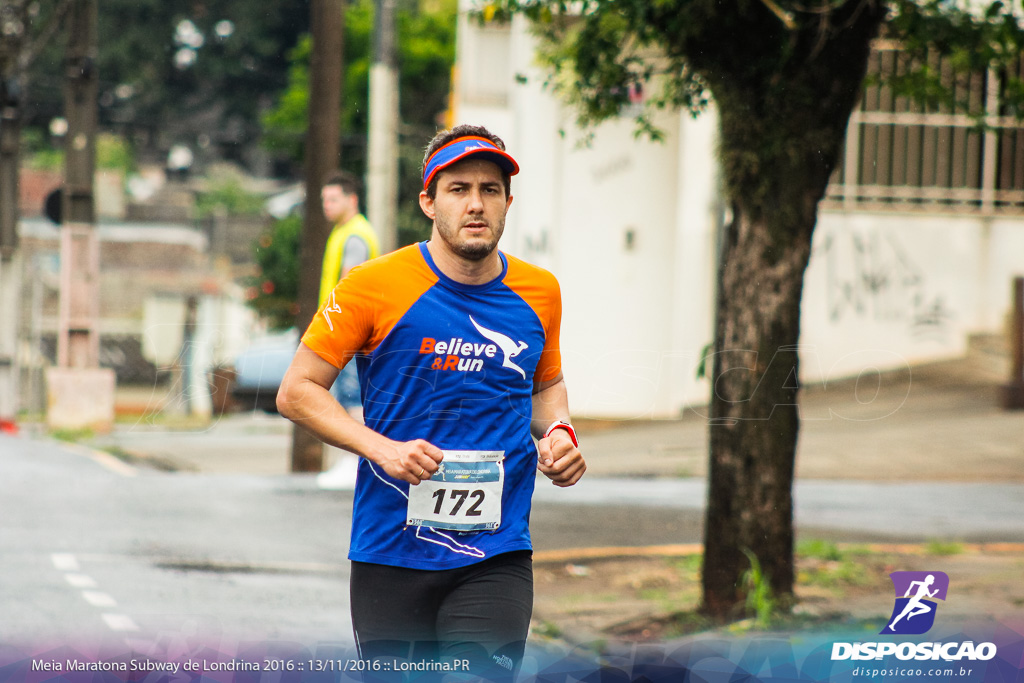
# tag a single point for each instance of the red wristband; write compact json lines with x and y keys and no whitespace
{"x":560,"y":424}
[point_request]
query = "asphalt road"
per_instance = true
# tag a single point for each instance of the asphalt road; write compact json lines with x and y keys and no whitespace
{"x":92,"y":553}
{"x":97,"y":549}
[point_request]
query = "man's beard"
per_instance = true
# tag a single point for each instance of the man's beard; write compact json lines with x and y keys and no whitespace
{"x":475,"y":251}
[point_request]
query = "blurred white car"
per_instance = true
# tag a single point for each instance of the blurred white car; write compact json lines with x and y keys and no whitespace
{"x":261,"y":367}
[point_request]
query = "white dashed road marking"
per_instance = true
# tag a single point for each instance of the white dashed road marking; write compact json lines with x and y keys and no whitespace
{"x":98,"y":599}
{"x":64,"y":562}
{"x":80,"y":580}
{"x":119,"y":622}
{"x":67,"y":563}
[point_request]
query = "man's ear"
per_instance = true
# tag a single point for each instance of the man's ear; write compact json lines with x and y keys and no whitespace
{"x":427,"y":204}
{"x":508,"y":203}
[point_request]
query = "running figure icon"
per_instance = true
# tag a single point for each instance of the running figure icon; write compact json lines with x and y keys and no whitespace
{"x":916,"y":605}
{"x":917,"y":595}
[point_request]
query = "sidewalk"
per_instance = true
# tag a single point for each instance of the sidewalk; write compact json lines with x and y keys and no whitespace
{"x":941,"y":422}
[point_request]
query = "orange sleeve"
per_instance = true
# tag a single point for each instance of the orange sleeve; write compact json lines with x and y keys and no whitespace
{"x":343,"y":325}
{"x":367,"y":303}
{"x":539,"y":289}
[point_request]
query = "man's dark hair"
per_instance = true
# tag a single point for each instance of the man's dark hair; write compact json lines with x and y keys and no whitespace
{"x":349,"y":183}
{"x":461,"y":131}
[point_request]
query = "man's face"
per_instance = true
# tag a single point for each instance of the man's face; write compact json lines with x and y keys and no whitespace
{"x":336,"y":203}
{"x":469,"y":208}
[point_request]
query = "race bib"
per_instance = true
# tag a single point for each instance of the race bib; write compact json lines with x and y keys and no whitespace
{"x":463,"y":495}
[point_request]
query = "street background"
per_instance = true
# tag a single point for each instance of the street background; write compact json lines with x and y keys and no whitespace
{"x":204,"y":533}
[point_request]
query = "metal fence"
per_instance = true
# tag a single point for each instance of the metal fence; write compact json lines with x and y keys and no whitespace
{"x":903,"y":155}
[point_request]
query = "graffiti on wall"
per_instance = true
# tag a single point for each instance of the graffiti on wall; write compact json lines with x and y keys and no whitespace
{"x":872,"y":276}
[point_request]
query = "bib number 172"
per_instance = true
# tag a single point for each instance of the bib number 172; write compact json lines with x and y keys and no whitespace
{"x":463,"y":495}
{"x":460,"y":496}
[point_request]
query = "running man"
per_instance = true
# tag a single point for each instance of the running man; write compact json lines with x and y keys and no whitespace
{"x":457,"y":345}
{"x":915,"y":605}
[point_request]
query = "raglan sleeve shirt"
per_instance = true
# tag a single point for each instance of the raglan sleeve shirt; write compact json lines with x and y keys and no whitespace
{"x":456,"y":365}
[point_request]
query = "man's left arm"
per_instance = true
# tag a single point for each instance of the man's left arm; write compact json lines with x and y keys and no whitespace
{"x":560,"y":459}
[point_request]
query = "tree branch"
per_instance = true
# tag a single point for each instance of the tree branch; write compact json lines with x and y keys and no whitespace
{"x":785,"y":17}
{"x":52,"y":25}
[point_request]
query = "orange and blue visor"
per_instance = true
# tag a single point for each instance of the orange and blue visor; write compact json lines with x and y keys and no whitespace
{"x":462,"y":148}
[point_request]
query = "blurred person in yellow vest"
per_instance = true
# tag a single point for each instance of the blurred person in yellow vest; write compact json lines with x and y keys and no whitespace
{"x":351,"y":242}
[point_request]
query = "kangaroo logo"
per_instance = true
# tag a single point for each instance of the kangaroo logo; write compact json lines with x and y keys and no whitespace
{"x":510,"y":348}
{"x":914,"y":612}
{"x":331,"y":306}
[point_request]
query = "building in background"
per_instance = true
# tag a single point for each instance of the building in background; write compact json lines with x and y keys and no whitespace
{"x":917,"y":241}
{"x":169,"y":316}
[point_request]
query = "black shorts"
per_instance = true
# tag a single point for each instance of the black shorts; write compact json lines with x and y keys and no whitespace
{"x":472,"y":620}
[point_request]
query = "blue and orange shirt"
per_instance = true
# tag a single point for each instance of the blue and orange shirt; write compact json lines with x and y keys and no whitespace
{"x":456,"y":365}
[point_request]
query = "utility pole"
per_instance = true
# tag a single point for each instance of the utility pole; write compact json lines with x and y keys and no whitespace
{"x":323,"y":151}
{"x":81,"y":394}
{"x":78,"y":341}
{"x":382,"y":157}
{"x":10,"y":265}
{"x":10,"y":136}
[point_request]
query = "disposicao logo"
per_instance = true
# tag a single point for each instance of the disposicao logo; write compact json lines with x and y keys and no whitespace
{"x":916,"y":593}
{"x":914,"y":614}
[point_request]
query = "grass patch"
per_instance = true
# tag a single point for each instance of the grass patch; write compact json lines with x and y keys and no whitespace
{"x":943,"y":548}
{"x":73,"y":435}
{"x":688,"y":566}
{"x":858,"y":551}
{"x":834,"y":574}
{"x":760,"y":601}
{"x":659,"y":594}
{"x":819,"y":549}
{"x":824,"y":564}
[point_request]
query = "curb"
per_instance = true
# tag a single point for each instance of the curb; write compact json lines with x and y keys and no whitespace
{"x":102,"y":458}
{"x":684,"y":549}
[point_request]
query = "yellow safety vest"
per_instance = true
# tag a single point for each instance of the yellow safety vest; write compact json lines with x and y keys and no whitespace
{"x":334,"y":252}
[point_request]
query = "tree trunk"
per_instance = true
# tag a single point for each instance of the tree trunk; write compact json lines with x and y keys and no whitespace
{"x":781,"y":134}
{"x":754,"y":419}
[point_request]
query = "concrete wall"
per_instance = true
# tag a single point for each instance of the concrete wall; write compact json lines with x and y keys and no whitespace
{"x":892,"y":289}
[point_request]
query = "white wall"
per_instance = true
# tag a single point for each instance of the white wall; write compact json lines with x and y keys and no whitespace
{"x":892,"y":289}
{"x":881,"y":290}
{"x":616,"y":249}
{"x":699,"y":215}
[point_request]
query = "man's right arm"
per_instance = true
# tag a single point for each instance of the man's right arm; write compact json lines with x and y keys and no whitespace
{"x":305,"y":399}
